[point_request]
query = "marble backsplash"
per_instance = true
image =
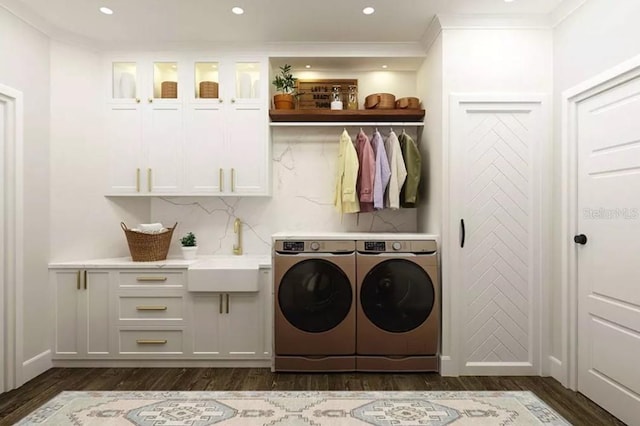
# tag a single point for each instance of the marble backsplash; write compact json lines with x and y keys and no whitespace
{"x":303,"y":172}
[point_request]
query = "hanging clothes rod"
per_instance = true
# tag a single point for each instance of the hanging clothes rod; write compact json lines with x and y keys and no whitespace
{"x":346,"y":124}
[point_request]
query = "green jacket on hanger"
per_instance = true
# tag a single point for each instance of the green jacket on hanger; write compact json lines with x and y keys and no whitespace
{"x":413,"y":164}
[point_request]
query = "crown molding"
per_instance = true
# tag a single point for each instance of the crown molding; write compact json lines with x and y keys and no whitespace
{"x":431,"y":34}
{"x":491,"y":22}
{"x":564,"y":10}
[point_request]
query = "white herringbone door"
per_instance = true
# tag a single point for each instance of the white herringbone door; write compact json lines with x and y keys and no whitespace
{"x":495,"y":202}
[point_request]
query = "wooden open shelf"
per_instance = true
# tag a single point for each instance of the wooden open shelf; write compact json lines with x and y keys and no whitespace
{"x":360,"y":115}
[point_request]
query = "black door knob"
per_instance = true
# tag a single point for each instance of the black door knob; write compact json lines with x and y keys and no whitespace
{"x":580,"y":239}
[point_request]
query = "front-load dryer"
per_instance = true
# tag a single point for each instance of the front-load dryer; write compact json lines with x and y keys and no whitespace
{"x":398,"y":305}
{"x":314,"y":312}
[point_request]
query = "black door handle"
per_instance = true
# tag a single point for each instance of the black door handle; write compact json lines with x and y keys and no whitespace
{"x":463,"y":233}
{"x":580,"y":239}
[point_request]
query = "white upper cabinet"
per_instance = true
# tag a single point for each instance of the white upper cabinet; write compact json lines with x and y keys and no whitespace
{"x":188,"y":127}
{"x":226,"y":147}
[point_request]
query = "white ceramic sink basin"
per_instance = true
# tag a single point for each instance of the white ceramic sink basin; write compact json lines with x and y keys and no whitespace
{"x":224,"y":274}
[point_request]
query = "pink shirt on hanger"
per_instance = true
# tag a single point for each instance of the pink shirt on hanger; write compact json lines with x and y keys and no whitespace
{"x":366,"y":172}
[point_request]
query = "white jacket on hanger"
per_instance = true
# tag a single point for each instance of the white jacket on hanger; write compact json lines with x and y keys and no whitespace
{"x":398,"y":171}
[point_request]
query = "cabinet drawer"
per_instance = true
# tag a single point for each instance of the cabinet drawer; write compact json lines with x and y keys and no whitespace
{"x":150,"y":308}
{"x":151,"y":341}
{"x":152,"y":279}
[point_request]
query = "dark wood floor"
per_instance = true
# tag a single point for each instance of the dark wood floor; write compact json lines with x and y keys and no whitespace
{"x":18,"y":403}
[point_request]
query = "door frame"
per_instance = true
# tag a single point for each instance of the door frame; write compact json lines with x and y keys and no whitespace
{"x":11,"y":282}
{"x":569,"y":320}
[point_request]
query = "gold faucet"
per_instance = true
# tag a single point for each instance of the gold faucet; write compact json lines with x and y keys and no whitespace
{"x":237,"y":229}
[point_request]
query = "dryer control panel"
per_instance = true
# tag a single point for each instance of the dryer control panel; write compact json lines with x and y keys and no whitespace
{"x":397,"y":246}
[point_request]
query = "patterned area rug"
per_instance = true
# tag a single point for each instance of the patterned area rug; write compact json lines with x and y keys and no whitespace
{"x":294,"y":408}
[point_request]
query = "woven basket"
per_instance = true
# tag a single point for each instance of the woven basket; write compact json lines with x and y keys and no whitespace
{"x":408,"y":103}
{"x":148,"y":247}
{"x":169,"y":89}
{"x":208,"y":89}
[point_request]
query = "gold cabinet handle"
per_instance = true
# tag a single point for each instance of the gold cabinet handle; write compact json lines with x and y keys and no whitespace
{"x":149,"y":183}
{"x":85,"y":279}
{"x":220,"y":303}
{"x":78,"y":280}
{"x":137,"y":180}
{"x":151,"y":278}
{"x":233,"y":180}
{"x":221,"y":180}
{"x":227,"y":302}
{"x":151,"y":342}
{"x":151,"y":308}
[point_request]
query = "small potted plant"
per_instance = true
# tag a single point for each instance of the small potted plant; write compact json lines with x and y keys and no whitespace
{"x":189,"y":247}
{"x":285,"y":83}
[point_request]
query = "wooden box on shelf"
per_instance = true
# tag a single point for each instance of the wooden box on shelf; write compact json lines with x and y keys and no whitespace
{"x":316,"y":94}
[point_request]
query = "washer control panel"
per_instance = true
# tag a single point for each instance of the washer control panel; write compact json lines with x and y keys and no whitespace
{"x":375,"y":246}
{"x":293,"y":245}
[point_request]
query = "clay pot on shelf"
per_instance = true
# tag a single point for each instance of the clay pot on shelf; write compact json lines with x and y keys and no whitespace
{"x":283,"y":101}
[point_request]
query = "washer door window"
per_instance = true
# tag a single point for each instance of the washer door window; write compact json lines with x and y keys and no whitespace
{"x":397,"y":295}
{"x":315,"y":295}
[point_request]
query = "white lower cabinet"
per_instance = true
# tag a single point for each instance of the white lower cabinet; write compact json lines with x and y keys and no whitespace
{"x":125,"y":314}
{"x":82,"y":313}
{"x":228,"y":325}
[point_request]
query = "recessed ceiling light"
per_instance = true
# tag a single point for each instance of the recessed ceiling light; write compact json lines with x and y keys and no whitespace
{"x":368,"y":10}
{"x":237,"y":10}
{"x":307,"y":66}
{"x":508,"y":1}
{"x":385,"y":67}
{"x":106,"y":10}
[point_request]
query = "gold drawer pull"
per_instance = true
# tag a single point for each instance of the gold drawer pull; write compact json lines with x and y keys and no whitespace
{"x":151,"y":342}
{"x":78,"y":280}
{"x":151,"y":278}
{"x":151,"y":308}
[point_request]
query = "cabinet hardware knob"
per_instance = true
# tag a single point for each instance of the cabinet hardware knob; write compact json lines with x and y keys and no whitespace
{"x":150,"y":100}
{"x":151,"y":308}
{"x":151,"y":278}
{"x":151,"y":342}
{"x":220,"y":100}
{"x":233,"y":101}
{"x":137,"y":100}
{"x":580,"y":239}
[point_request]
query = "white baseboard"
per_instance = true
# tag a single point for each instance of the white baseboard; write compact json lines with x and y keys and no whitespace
{"x":499,"y":369}
{"x":555,"y":369}
{"x":447,"y":367}
{"x":35,"y":366}
{"x":161,"y":363}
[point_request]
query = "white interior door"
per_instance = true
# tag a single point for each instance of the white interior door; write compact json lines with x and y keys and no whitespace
{"x":608,"y":136}
{"x":495,"y":151}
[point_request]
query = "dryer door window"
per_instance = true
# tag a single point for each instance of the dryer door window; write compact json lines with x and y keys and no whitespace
{"x":397,"y":295}
{"x":315,"y":295}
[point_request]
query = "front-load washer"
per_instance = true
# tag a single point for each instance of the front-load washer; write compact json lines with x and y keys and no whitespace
{"x":314,"y":313}
{"x":398,"y":305}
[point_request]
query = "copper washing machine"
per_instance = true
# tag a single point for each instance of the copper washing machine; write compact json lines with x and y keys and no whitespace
{"x":398,"y":306}
{"x":314,"y":313}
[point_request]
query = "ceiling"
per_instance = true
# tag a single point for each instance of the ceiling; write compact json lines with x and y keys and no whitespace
{"x":263,"y":21}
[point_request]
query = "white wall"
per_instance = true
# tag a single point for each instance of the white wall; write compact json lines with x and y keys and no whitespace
{"x":84,"y":224}
{"x":429,"y":83}
{"x":24,"y":65}
{"x":304,"y":166}
{"x":598,"y":36}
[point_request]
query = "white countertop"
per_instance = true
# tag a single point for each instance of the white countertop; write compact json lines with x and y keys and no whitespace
{"x":262,"y":261}
{"x":387,"y":236}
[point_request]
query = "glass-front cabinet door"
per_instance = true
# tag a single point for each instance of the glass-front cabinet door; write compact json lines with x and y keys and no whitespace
{"x":207,"y":84}
{"x":248,"y":81}
{"x":165,"y":81}
{"x":125,"y":82}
